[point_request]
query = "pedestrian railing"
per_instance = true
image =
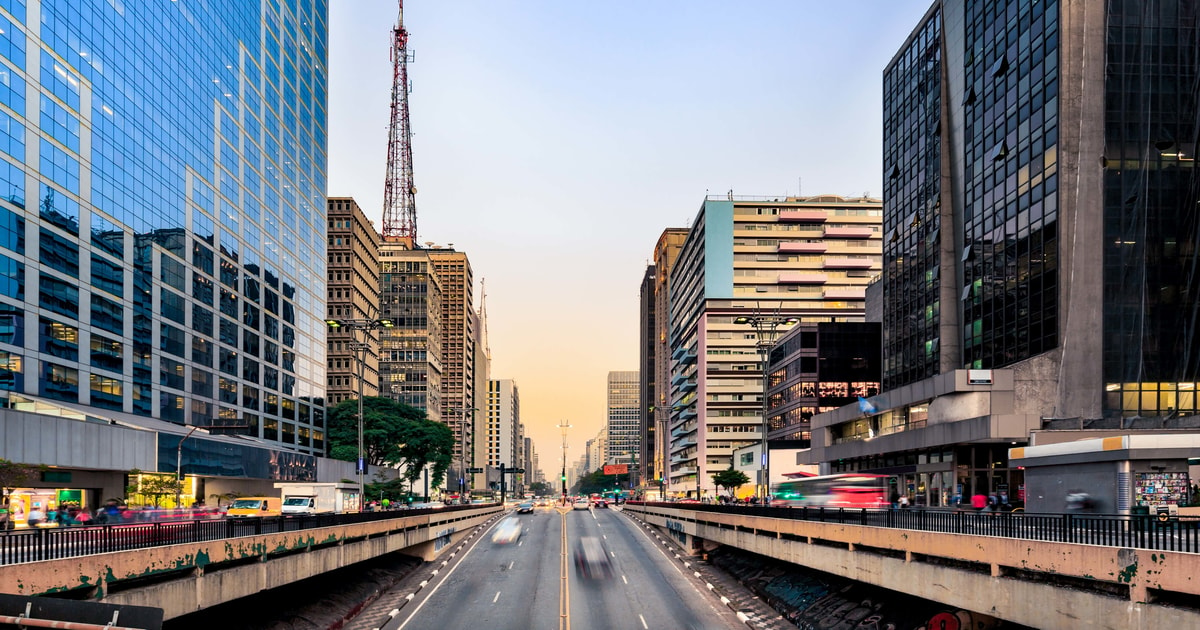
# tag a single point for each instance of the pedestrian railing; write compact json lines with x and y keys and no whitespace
{"x":52,"y":543}
{"x":1142,"y":531}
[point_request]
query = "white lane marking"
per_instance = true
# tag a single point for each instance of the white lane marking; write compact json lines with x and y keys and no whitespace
{"x":612,"y":554}
{"x":496,"y":597}
{"x":434,"y":590}
{"x":520,"y":542}
{"x":511,"y":563}
{"x":624,"y":580}
{"x":604,"y":537}
{"x":643,"y":622}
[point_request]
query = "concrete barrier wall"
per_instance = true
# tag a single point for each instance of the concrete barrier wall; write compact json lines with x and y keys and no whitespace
{"x":187,"y":577}
{"x":850,"y":551}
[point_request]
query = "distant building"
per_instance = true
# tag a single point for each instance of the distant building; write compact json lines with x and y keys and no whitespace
{"x":410,"y":356}
{"x":624,"y":411}
{"x":353,"y":293}
{"x":478,"y":456}
{"x":504,"y":418}
{"x":458,"y":395}
{"x":655,"y":359}
{"x":810,"y":258}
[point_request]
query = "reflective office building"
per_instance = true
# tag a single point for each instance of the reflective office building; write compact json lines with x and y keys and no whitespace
{"x":162,"y":212}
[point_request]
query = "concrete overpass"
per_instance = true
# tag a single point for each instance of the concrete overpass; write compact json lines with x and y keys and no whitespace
{"x":1038,"y":583}
{"x":186,"y":577}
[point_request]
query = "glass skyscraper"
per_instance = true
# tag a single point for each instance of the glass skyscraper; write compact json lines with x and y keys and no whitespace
{"x":162,"y":211}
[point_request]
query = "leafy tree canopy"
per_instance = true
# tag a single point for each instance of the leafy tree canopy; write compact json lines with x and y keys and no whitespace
{"x":541,"y":488}
{"x":594,"y":482}
{"x":730,"y":479}
{"x":394,"y":434}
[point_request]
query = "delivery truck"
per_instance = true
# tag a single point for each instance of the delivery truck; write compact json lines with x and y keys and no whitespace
{"x":319,"y":498}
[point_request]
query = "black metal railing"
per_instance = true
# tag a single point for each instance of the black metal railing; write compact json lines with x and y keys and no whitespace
{"x":1142,"y":531}
{"x":39,"y":544}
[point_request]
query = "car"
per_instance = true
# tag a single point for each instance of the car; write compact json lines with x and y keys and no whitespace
{"x":591,"y":561}
{"x":600,"y":503}
{"x":525,"y":507}
{"x":507,"y":532}
{"x":580,"y":504}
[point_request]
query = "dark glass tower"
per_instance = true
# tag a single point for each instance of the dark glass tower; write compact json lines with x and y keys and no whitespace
{"x":912,"y":208}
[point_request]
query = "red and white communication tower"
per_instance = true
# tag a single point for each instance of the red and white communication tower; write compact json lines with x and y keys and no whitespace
{"x":399,"y":192}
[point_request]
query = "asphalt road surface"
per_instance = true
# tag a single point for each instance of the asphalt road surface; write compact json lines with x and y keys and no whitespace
{"x":533,"y":584}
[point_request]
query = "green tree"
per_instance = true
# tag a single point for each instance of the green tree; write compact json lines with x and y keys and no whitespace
{"x":730,"y":479}
{"x":594,"y":482}
{"x":541,"y":488}
{"x":394,"y":434}
{"x":425,"y":442}
{"x":384,"y":421}
{"x":152,"y":487}
{"x":12,"y":476}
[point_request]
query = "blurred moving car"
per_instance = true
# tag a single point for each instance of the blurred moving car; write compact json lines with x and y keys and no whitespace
{"x":580,"y":504}
{"x":600,"y":503}
{"x":525,"y":507}
{"x":508,"y":531}
{"x":591,"y":561}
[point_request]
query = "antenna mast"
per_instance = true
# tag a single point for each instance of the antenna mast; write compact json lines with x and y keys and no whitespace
{"x":399,"y":193}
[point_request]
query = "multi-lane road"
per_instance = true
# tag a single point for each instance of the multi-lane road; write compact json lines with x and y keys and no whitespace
{"x":535,"y":584}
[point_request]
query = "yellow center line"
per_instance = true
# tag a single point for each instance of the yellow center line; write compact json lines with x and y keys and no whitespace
{"x":564,"y":589}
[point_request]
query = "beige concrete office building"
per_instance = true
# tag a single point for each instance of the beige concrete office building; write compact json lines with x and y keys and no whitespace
{"x":805,"y":257}
{"x":352,"y":293}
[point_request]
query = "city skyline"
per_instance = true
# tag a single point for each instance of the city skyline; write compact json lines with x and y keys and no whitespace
{"x":572,"y":179}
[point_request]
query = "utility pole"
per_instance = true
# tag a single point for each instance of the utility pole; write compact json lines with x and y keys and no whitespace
{"x":564,"y":426}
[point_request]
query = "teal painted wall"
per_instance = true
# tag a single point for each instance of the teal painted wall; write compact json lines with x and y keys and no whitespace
{"x":718,"y":249}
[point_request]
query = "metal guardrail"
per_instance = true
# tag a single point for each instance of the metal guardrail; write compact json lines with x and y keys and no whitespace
{"x":1175,"y":533}
{"x":40,"y":544}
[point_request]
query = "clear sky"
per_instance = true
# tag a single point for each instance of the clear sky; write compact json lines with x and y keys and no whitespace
{"x":554,"y":140}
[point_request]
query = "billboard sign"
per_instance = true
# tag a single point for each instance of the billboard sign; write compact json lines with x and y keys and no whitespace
{"x":616,"y":469}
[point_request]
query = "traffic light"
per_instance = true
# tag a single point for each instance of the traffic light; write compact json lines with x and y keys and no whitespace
{"x":564,"y":477}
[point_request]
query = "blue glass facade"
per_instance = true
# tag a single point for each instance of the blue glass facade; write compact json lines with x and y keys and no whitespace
{"x":162,"y":193}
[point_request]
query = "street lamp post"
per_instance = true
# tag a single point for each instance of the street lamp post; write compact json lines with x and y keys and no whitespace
{"x":179,"y":467}
{"x":564,"y":426}
{"x":360,"y":348}
{"x":462,"y":452}
{"x":766,"y":328}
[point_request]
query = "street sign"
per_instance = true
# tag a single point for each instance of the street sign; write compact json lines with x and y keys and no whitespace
{"x":514,"y":470}
{"x":616,"y":469}
{"x":474,"y":470}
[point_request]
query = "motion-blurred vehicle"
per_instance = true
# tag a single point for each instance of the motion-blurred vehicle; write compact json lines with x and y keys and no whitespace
{"x":591,"y":561}
{"x":249,"y":507}
{"x":600,"y":503}
{"x":525,"y":507}
{"x":847,"y":490}
{"x":580,"y":504}
{"x":507,"y":532}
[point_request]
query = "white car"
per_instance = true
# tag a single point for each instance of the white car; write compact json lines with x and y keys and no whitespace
{"x":580,"y":504}
{"x":508,"y":531}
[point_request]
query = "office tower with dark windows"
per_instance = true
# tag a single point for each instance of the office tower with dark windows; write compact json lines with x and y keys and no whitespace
{"x":353,"y":293}
{"x":162,"y":203}
{"x":1040,"y":223}
{"x":410,"y":353}
{"x":624,"y":406}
